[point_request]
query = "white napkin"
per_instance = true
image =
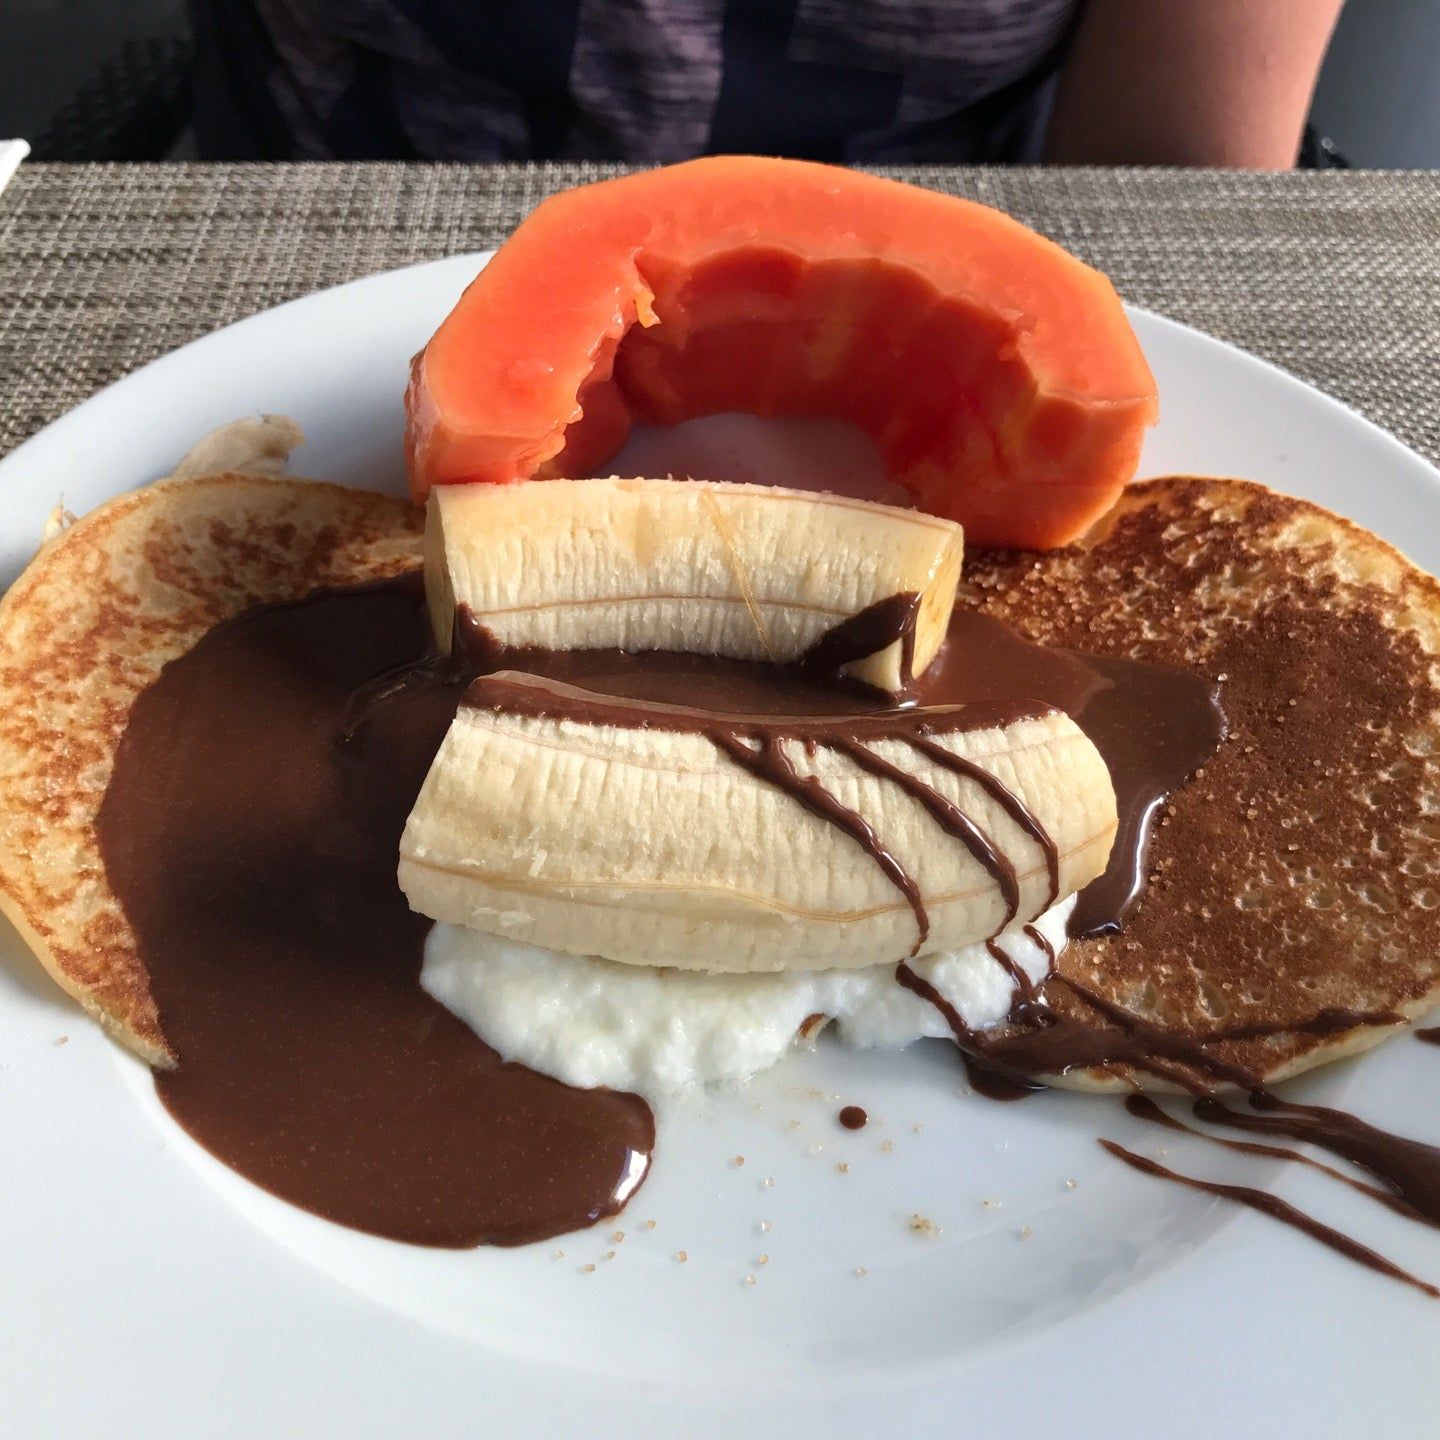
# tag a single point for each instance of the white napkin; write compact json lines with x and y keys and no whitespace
{"x":12,"y":152}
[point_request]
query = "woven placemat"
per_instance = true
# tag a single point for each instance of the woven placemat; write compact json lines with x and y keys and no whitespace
{"x":1333,"y":275}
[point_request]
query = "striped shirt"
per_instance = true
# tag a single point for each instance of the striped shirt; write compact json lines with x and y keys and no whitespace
{"x":637,"y":80}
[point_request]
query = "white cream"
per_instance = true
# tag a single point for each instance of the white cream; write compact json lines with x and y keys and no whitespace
{"x":653,"y":1030}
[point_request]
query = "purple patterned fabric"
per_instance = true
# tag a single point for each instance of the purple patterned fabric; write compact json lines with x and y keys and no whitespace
{"x":638,"y":80}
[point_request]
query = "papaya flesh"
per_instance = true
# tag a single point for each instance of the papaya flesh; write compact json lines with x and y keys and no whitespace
{"x":997,"y":374}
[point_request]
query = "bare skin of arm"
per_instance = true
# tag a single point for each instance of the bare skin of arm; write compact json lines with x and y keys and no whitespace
{"x":1190,"y":82}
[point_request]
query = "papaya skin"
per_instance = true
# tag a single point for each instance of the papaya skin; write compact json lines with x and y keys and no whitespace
{"x":997,"y":374}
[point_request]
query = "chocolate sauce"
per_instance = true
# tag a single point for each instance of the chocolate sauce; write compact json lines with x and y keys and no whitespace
{"x":271,"y":769}
{"x":251,"y":826}
{"x":1330,"y":1021}
{"x":949,"y":816}
{"x":1039,"y":939}
{"x":1024,"y":986}
{"x":876,"y":628}
{"x":1430,"y":1036}
{"x":768,"y":760}
{"x":1145,"y":1108}
{"x":250,"y":830}
{"x":996,"y":1084}
{"x":995,"y":1081}
{"x":1041,"y":1042}
{"x":1278,"y":1209}
{"x":1011,"y":1063}
{"x":1008,"y":801}
{"x":1155,"y":728}
{"x":1153,"y":724}
{"x":753,"y":729}
{"x":1410,"y":1167}
{"x":986,"y":661}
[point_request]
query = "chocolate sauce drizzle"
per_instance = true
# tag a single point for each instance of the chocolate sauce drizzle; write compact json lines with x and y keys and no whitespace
{"x":1277,"y":1209}
{"x":1144,"y":1107}
{"x":994,"y":1081}
{"x":1410,"y":1168}
{"x":767,"y":759}
{"x":1024,"y":986}
{"x":1429,"y":1036}
{"x":1154,"y":724}
{"x":1039,"y":939}
{"x":757,"y":742}
{"x":1010,"y":1064}
{"x":1008,"y":801}
{"x":953,"y":820}
{"x":1330,"y":1021}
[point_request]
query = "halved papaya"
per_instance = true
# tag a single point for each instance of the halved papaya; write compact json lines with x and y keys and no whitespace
{"x":997,"y":374}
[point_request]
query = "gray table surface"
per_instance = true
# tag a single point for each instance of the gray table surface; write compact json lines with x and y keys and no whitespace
{"x":1333,"y":275}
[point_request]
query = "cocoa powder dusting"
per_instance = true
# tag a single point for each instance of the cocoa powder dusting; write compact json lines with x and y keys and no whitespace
{"x":1300,"y":870}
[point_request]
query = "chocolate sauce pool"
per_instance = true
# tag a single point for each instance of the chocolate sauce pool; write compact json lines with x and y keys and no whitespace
{"x":254,"y":852}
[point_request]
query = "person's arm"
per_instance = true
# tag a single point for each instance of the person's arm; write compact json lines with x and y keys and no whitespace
{"x":1190,"y":82}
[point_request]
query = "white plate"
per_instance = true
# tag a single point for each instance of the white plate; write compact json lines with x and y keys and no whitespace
{"x":147,"y":1290}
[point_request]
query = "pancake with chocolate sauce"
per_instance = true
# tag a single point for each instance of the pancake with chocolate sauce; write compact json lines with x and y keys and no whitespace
{"x":86,"y":629}
{"x":1294,"y":884}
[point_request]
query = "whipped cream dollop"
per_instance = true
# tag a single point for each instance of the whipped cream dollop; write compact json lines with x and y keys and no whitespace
{"x":593,"y":1022}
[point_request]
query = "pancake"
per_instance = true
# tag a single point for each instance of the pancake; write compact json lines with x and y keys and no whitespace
{"x":1299,"y":872}
{"x":86,"y":628}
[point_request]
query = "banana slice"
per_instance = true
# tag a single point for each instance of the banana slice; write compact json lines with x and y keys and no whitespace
{"x":749,"y":572}
{"x":553,"y":816}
